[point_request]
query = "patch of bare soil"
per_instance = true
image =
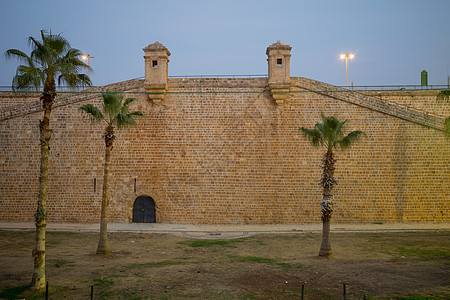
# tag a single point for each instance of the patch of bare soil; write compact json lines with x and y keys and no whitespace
{"x":271,"y":266}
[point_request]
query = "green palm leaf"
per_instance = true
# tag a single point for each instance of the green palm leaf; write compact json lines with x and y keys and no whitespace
{"x":126,"y":104}
{"x":443,"y":96}
{"x":114,"y":112}
{"x":122,"y":120}
{"x":348,"y":140}
{"x":94,"y":114}
{"x":330,"y":133}
{"x":19,"y":55}
{"x":27,"y":78}
{"x":314,"y":135}
{"x":50,"y":58}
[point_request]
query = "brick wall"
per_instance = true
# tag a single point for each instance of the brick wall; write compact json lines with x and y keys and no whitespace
{"x":222,"y":151}
{"x":419,"y":99}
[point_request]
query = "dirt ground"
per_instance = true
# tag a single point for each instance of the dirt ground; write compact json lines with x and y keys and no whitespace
{"x":407,"y":265}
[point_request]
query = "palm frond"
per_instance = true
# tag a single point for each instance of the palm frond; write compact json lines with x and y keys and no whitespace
{"x":75,"y":80}
{"x":65,"y":70}
{"x":35,"y":44}
{"x":136,"y":114}
{"x":126,"y":104}
{"x":125,"y":120}
{"x":73,"y":57}
{"x":128,"y":101}
{"x":329,"y":133}
{"x":314,"y":135}
{"x":94,"y":114}
{"x":112,"y":111}
{"x":41,"y":53}
{"x":57,"y":43}
{"x":19,"y":55}
{"x":112,"y":104}
{"x":348,"y":140}
{"x":53,"y":56}
{"x":27,"y":78}
{"x":74,"y":53}
{"x":443,"y":96}
{"x":340,"y":126}
{"x":330,"y":130}
{"x":326,"y":130}
{"x":51,"y":43}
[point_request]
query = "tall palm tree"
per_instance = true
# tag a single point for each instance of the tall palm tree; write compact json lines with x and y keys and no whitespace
{"x":113,"y":113}
{"x":329,"y":134}
{"x":50,"y":58}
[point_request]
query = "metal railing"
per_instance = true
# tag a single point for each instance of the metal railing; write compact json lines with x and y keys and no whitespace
{"x":8,"y":88}
{"x":396,"y":87}
{"x":219,"y":76}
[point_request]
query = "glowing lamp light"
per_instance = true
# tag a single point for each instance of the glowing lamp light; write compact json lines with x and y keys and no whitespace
{"x":346,"y":56}
{"x":87,"y":58}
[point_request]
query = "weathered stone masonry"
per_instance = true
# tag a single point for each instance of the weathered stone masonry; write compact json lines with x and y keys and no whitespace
{"x":223,"y":150}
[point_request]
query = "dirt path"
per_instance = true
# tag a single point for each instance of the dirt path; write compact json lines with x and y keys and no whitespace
{"x":265,"y":266}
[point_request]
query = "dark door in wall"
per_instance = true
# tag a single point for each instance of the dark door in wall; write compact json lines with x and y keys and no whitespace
{"x":144,"y":210}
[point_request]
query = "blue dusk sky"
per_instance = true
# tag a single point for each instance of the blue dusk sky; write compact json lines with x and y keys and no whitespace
{"x":393,"y":40}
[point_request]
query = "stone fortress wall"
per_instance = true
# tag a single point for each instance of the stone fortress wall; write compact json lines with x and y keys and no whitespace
{"x":229,"y":151}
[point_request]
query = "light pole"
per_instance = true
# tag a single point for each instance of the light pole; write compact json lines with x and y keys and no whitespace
{"x":346,"y":56}
{"x":87,"y":57}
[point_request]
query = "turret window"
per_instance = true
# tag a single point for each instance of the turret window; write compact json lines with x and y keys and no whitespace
{"x":279,"y":61}
{"x":154,"y":63}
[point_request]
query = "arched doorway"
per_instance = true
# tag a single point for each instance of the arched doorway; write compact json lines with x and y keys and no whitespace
{"x":144,"y":210}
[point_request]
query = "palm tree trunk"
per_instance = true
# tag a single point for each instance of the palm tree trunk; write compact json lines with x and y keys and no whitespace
{"x":325,"y":247}
{"x":103,"y":246}
{"x":38,"y":280}
{"x":326,"y":206}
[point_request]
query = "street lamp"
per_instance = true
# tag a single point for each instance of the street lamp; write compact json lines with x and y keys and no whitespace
{"x":87,"y":57}
{"x":346,"y":56}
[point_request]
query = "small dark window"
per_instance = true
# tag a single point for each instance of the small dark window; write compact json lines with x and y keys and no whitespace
{"x":279,"y":61}
{"x":155,"y":63}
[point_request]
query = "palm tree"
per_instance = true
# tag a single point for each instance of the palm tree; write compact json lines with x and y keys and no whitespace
{"x":444,"y":96}
{"x":330,"y":135}
{"x":113,"y":114}
{"x":51,"y":58}
{"x":447,"y":126}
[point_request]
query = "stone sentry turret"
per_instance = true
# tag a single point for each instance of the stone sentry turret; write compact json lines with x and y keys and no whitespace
{"x":279,"y":56}
{"x":156,"y":71}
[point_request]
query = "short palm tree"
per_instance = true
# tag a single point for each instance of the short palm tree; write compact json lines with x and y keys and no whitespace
{"x":444,"y":96}
{"x":51,"y":58}
{"x":114,"y":114}
{"x":329,"y":134}
{"x":447,"y":126}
